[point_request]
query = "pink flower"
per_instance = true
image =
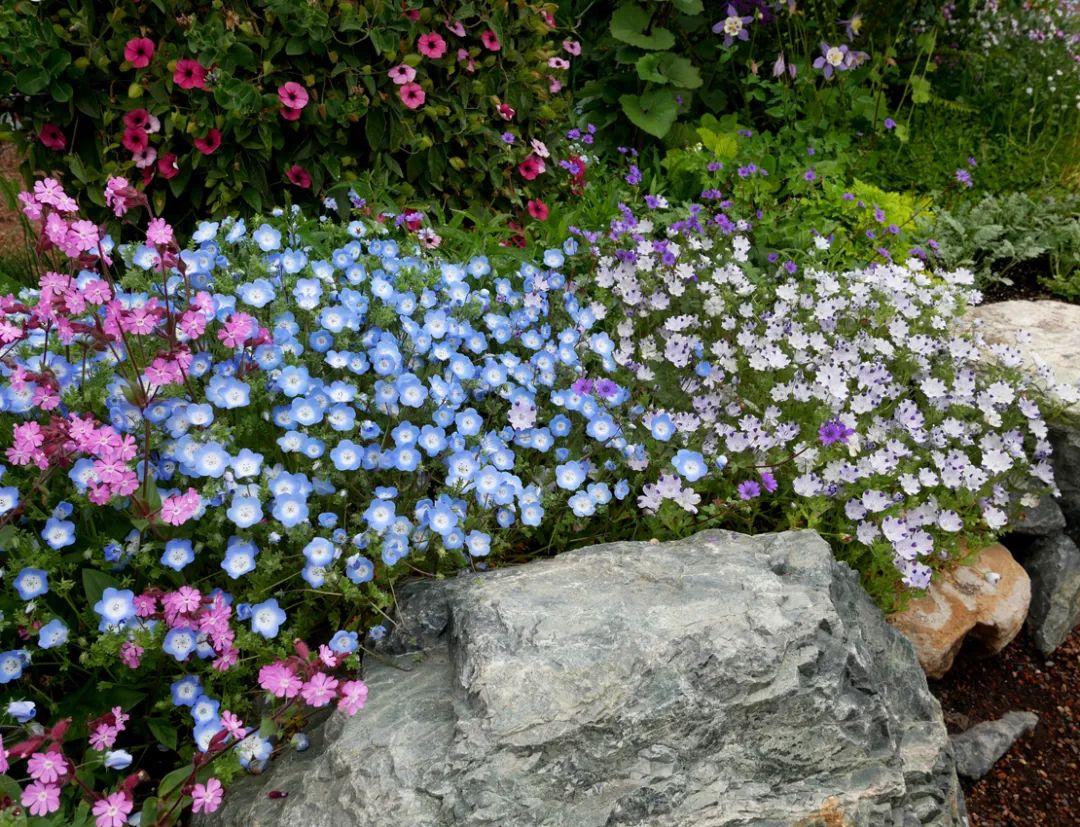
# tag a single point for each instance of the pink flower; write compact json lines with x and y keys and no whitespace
{"x":292,"y":95}
{"x":506,"y":111}
{"x":167,"y":166}
{"x":412,"y":95}
{"x":431,"y":45}
{"x":144,"y":159}
{"x":51,"y":136}
{"x":571,"y":47}
{"x":490,"y":41}
{"x":131,"y":654}
{"x":138,"y":52}
{"x":209,"y":144}
{"x":3,"y":756}
{"x":279,"y":680}
{"x":319,"y":691}
{"x":531,"y":167}
{"x":41,"y":799}
{"x":205,"y":798}
{"x":353,"y":697}
{"x":118,"y":195}
{"x":137,"y":119}
{"x":104,"y":736}
{"x":538,"y":209}
{"x":113,"y":810}
{"x":179,"y":508}
{"x":159,"y":233}
{"x":47,"y":767}
{"x":135,"y":139}
{"x":233,"y":725}
{"x":455,"y":27}
{"x":189,"y":74}
{"x":298,"y":176}
{"x":402,"y":74}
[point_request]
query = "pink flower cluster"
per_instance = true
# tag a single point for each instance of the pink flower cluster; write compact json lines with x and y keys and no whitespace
{"x":187,"y":608}
{"x":305,"y":676}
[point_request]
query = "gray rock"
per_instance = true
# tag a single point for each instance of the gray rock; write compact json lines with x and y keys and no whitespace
{"x":1045,"y":518}
{"x":1065,"y":439}
{"x":1053,"y":564}
{"x":717,"y":681}
{"x":980,"y":747}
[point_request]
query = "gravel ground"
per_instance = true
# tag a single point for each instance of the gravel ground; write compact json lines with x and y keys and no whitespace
{"x":1038,"y":781}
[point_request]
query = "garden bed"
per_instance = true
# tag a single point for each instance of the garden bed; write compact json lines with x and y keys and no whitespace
{"x":1037,"y":782}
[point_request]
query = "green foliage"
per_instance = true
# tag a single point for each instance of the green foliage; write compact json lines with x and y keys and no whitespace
{"x":62,"y":65}
{"x":1001,"y":236}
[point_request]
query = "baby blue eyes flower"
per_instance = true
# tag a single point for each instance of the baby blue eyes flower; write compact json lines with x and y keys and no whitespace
{"x":180,"y":642}
{"x":54,"y":633}
{"x":115,"y":608}
{"x":186,"y":691}
{"x":177,"y":554}
{"x":21,"y":711}
{"x":245,"y":511}
{"x":319,"y":552}
{"x":205,"y":710}
{"x":118,"y":759}
{"x":345,"y":643}
{"x":31,"y":583}
{"x":478,"y":543}
{"x":239,"y":557}
{"x":58,"y":533}
{"x":690,"y":464}
{"x":266,"y":618}
{"x":267,"y":238}
{"x":570,"y":475}
{"x":359,"y":569}
{"x":379,"y":515}
{"x":9,"y":498}
{"x":662,"y":428}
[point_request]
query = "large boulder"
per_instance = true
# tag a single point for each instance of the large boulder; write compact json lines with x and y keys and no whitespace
{"x":985,"y":602}
{"x":719,"y":680}
{"x":1054,"y":565}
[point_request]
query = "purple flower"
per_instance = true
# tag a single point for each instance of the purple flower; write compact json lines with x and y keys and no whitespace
{"x":749,"y":489}
{"x":834,"y":431}
{"x":964,"y":177}
{"x":890,"y":123}
{"x":790,"y":266}
{"x":833,"y":59}
{"x":810,"y":175}
{"x":508,"y":137}
{"x":733,"y":26}
{"x":768,"y":481}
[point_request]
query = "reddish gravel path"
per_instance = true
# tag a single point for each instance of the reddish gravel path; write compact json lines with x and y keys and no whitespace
{"x":1038,"y":781}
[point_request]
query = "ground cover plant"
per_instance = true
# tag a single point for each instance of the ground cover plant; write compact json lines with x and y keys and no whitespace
{"x":221,"y":458}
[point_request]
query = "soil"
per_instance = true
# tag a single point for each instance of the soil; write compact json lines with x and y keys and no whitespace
{"x":1036,"y":783}
{"x":11,"y":232}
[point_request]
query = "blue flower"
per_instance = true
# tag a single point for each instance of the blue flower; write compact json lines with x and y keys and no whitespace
{"x":379,"y":514}
{"x":266,"y":618}
{"x":245,"y":512}
{"x":58,"y":533}
{"x":186,"y":690}
{"x":478,"y":543}
{"x":267,"y":238}
{"x":239,"y":557}
{"x":31,"y":583}
{"x":180,"y":642}
{"x":11,"y":666}
{"x":661,"y":427}
{"x":205,"y":709}
{"x":319,"y":552}
{"x":359,"y":569}
{"x":117,"y":759}
{"x":691,"y":465}
{"x":177,"y":554}
{"x":345,"y":643}
{"x":53,"y":633}
{"x":22,"y":711}
{"x":116,"y":607}
{"x":570,"y":475}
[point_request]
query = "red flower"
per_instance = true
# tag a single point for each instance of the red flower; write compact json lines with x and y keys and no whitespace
{"x":51,"y":136}
{"x":538,"y":209}
{"x":135,"y":139}
{"x":291,"y":114}
{"x":138,"y":52}
{"x":167,"y":167}
{"x":298,"y":176}
{"x":577,"y":174}
{"x":189,"y":74}
{"x":137,"y":119}
{"x":431,"y":45}
{"x":412,"y":95}
{"x":209,"y":145}
{"x":531,"y":167}
{"x":490,"y":41}
{"x":292,"y":95}
{"x":506,"y":111}
{"x":412,"y":14}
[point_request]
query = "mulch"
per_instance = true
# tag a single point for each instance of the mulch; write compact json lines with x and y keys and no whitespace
{"x":1038,"y":781}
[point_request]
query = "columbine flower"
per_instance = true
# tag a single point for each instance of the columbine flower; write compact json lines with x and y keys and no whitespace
{"x":833,"y":59}
{"x":733,"y":26}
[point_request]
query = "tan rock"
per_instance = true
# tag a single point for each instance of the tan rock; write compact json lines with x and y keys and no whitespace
{"x":986,"y":601}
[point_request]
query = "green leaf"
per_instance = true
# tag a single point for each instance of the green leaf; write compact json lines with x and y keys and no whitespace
{"x":173,"y":780}
{"x":32,"y":80}
{"x":94,"y":584}
{"x":163,"y":731}
{"x":689,"y":6}
{"x":920,"y":90}
{"x":680,"y":71}
{"x":654,"y":112}
{"x":629,"y":24}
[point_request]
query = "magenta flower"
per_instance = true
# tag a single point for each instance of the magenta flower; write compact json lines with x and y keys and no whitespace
{"x":206,"y":798}
{"x":402,"y":74}
{"x":41,"y":799}
{"x":47,"y":767}
{"x":292,"y":95}
{"x":139,"y":51}
{"x":320,"y":690}
{"x":279,"y":680}
{"x":298,"y":176}
{"x":431,"y":45}
{"x":113,"y":810}
{"x":52,"y":138}
{"x":209,"y":144}
{"x":189,"y":74}
{"x":412,"y":95}
{"x":159,"y":233}
{"x":490,"y":41}
{"x":353,"y":697}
